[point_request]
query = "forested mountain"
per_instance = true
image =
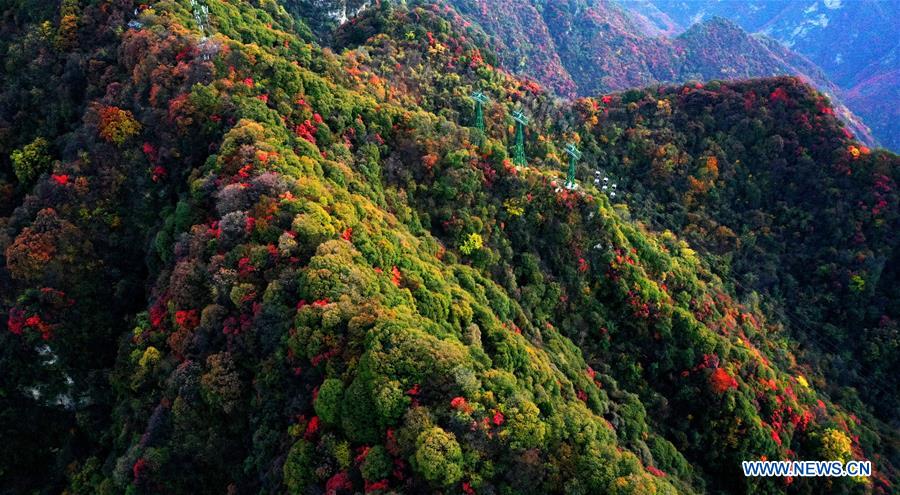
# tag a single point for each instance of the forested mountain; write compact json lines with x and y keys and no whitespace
{"x":235,"y":260}
{"x":585,"y":47}
{"x":855,"y":43}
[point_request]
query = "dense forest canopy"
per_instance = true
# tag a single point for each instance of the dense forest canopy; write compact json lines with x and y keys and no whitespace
{"x":245,"y":250}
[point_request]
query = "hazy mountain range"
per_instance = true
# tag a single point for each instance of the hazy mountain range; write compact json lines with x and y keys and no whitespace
{"x":855,"y":43}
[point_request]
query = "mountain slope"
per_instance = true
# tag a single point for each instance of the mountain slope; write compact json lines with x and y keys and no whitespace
{"x":818,"y":241}
{"x":654,"y":21}
{"x":339,"y":291}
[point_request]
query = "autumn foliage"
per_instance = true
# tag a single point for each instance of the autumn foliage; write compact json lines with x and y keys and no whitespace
{"x":720,"y":381}
{"x":117,"y":125}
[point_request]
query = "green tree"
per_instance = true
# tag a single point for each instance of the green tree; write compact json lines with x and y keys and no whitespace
{"x":438,"y":456}
{"x":328,"y":402}
{"x":377,"y":464}
{"x":31,"y":160}
{"x":836,"y":446}
{"x":297,"y":468}
{"x":524,"y":427}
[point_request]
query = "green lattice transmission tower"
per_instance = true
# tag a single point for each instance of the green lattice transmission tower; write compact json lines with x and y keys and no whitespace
{"x":480,"y":101}
{"x":574,"y":156}
{"x":519,"y":148}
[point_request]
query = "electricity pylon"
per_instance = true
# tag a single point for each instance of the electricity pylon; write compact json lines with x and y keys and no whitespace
{"x":480,"y":101}
{"x":519,"y":148}
{"x":574,"y":156}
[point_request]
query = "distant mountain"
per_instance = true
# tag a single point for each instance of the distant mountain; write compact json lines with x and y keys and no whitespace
{"x":855,"y":44}
{"x":585,"y":47}
{"x":654,"y":21}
